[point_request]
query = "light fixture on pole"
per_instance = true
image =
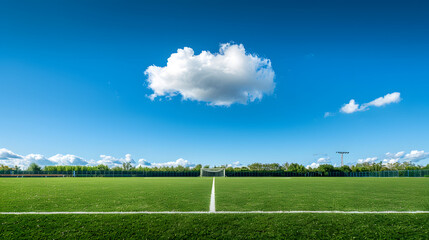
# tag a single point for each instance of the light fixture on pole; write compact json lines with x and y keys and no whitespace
{"x":342,"y":153}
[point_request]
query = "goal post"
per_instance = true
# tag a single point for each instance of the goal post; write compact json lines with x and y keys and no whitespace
{"x":212,"y":172}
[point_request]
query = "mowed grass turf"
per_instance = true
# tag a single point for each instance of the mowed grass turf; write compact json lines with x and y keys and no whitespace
{"x":232,"y":194}
{"x":329,"y":194}
{"x":104,"y":194}
{"x":216,"y":226}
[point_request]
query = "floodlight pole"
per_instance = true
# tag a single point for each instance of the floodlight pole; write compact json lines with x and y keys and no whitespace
{"x":342,"y":153}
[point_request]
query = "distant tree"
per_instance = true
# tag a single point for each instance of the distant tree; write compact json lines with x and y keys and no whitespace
{"x":271,"y":167}
{"x":179,"y":168}
{"x":117,"y":169}
{"x":102,"y":167}
{"x":34,"y":167}
{"x":325,"y":168}
{"x":197,"y":167}
{"x":286,"y":166}
{"x":345,"y":168}
{"x":298,"y":168}
{"x":255,"y":166}
{"x":126,"y":166}
{"x":4,"y":167}
{"x":207,"y":166}
{"x":230,"y":169}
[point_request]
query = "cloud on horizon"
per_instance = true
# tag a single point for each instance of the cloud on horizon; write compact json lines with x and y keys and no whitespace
{"x":320,"y":161}
{"x":369,"y":160}
{"x":11,"y":159}
{"x":221,"y":79}
{"x":414,"y":156}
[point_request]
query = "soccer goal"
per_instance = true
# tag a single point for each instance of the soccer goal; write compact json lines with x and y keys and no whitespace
{"x":212,"y":172}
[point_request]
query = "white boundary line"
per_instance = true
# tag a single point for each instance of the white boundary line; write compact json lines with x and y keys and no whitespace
{"x":212,"y":198}
{"x":218,"y":212}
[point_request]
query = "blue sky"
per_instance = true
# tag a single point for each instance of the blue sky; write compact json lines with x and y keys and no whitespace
{"x":72,"y":80}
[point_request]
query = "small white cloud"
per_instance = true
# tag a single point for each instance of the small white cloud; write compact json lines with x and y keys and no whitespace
{"x":328,"y":114}
{"x":143,"y":163}
{"x":395,"y":155}
{"x":234,"y":164}
{"x":387,"y":99}
{"x":224,"y":78}
{"x":350,"y":107}
{"x":390,"y":161}
{"x":353,"y":107}
{"x":368,"y":160}
{"x":313,"y":165}
{"x":324,"y":160}
{"x":320,"y":160}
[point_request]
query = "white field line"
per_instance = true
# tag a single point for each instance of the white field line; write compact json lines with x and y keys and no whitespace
{"x":218,"y":212}
{"x":212,"y":198}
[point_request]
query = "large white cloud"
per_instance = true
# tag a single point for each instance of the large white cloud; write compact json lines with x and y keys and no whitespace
{"x":111,"y":161}
{"x":39,"y":160}
{"x":416,"y":156}
{"x":353,"y":107}
{"x":178,"y":162}
{"x":68,"y":159}
{"x":7,"y":154}
{"x":413,"y":156}
{"x":230,"y":76}
{"x":12,"y":159}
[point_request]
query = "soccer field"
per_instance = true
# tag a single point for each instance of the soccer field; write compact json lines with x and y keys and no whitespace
{"x":231,"y":194}
{"x":192,"y":197}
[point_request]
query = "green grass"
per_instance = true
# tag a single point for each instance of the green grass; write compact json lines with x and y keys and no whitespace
{"x":104,"y":194}
{"x":232,"y":194}
{"x":347,"y":194}
{"x":219,"y":226}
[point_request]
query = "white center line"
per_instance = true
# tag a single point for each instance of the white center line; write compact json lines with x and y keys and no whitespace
{"x":212,"y":198}
{"x":221,"y":212}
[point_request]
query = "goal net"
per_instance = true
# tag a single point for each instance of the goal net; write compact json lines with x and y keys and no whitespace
{"x":212,"y":172}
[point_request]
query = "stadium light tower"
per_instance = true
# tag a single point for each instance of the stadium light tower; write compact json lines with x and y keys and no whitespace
{"x":342,"y":153}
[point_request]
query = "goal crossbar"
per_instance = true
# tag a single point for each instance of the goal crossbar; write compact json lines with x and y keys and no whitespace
{"x":212,"y":172}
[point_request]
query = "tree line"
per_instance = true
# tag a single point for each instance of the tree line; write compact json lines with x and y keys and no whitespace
{"x":288,"y":167}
